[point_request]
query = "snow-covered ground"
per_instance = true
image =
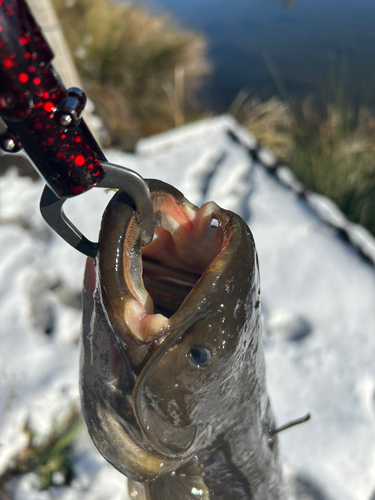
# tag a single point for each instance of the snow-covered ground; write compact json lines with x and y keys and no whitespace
{"x":318,"y":302}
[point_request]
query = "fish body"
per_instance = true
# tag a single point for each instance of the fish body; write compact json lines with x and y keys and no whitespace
{"x":173,"y":383}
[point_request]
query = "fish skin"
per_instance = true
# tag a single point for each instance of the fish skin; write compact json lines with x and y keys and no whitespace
{"x":182,"y":431}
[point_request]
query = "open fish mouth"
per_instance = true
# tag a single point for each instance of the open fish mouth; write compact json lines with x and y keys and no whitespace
{"x":164,"y":330}
{"x":151,"y":283}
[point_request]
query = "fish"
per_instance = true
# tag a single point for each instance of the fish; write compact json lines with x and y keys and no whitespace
{"x":172,"y":370}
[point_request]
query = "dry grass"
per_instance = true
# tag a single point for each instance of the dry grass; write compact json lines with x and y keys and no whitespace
{"x":334,"y":154}
{"x":142,"y":71}
{"x":271,"y":123}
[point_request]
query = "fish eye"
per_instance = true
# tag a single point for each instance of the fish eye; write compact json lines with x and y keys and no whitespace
{"x":200,"y":356}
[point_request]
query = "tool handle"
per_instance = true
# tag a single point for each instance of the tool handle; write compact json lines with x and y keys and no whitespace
{"x":41,"y":115}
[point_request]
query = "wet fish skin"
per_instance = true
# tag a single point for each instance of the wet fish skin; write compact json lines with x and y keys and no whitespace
{"x":182,"y":430}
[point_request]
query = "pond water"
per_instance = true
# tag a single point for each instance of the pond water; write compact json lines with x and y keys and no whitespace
{"x":301,"y":42}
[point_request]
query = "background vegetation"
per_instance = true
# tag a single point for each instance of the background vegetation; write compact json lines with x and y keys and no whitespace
{"x":51,"y":460}
{"x":332,"y":153}
{"x":141,"y":70}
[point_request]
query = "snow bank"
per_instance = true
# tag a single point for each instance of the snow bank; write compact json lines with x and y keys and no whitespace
{"x":318,"y":298}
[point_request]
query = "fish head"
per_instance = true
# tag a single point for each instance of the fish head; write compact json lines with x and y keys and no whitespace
{"x":166,"y":331}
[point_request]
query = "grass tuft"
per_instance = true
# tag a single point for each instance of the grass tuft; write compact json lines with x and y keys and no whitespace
{"x":50,"y":460}
{"x":333,"y":154}
{"x":141,"y":70}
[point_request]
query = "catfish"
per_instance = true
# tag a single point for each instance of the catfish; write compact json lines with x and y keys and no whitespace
{"x":172,"y":374}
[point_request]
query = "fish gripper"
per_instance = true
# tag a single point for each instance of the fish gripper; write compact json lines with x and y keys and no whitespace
{"x":41,"y":115}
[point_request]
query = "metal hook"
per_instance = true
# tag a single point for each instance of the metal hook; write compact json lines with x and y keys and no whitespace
{"x":117,"y":177}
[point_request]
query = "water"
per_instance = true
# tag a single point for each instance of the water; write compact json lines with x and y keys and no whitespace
{"x":299,"y":41}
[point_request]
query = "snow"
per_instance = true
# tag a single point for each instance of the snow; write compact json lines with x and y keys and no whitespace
{"x":287,"y":177}
{"x":267,"y":158}
{"x":318,"y":303}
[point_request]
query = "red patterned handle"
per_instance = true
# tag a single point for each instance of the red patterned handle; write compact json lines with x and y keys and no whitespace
{"x":40,"y":114}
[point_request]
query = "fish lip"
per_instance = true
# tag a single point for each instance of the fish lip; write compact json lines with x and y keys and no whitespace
{"x":147,"y":372}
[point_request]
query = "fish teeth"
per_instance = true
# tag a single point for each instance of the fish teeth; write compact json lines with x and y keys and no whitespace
{"x":196,"y":227}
